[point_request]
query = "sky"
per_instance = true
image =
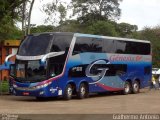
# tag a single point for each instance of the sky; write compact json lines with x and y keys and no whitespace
{"x":143,"y":13}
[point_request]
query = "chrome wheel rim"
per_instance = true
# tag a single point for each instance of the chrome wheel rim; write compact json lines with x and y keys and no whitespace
{"x":127,"y":88}
{"x":83,"y":91}
{"x":69,"y":91}
{"x":136,"y":87}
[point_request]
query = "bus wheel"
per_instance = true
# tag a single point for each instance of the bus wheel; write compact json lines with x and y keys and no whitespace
{"x":40,"y":98}
{"x":68,"y":92}
{"x":83,"y":91}
{"x":127,"y":88}
{"x":136,"y":87}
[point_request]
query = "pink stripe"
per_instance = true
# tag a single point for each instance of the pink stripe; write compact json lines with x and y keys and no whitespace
{"x":108,"y":87}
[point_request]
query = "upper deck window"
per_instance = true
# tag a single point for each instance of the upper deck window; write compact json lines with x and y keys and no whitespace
{"x":61,"y":43}
{"x":87,"y":44}
{"x":35,"y":45}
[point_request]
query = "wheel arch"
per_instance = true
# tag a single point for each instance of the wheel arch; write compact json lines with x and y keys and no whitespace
{"x":73,"y":84}
{"x":138,"y":80}
{"x":130,"y":81}
{"x":83,"y":81}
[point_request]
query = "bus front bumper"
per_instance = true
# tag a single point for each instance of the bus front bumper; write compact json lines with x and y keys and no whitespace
{"x":42,"y":92}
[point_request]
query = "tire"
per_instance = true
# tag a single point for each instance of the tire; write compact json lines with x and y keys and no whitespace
{"x":127,"y":88}
{"x":135,"y":87}
{"x":68,"y":92}
{"x":40,"y":98}
{"x":83,"y":91}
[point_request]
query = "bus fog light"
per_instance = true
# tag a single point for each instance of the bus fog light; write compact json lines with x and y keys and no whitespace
{"x":41,"y":93}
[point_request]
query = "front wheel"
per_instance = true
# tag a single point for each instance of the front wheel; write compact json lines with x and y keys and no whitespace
{"x":68,"y":92}
{"x":83,"y":91}
{"x":136,"y":87}
{"x":127,"y":88}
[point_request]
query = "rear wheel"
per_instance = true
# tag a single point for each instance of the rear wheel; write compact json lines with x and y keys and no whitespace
{"x":136,"y":87}
{"x":68,"y":92}
{"x":127,"y":88}
{"x":83,"y":91}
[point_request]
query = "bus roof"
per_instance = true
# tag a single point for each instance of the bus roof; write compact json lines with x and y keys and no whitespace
{"x":95,"y":36}
{"x":54,"y":33}
{"x":108,"y":37}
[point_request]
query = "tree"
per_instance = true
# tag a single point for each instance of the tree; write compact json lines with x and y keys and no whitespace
{"x":99,"y":9}
{"x":9,"y":14}
{"x":126,"y":29}
{"x":24,"y":17}
{"x":102,"y":28}
{"x":153,"y":35}
{"x":54,"y":10}
{"x":42,"y":28}
{"x":10,"y":8}
{"x":29,"y":17}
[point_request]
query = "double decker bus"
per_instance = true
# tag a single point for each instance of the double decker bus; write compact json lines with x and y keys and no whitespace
{"x":67,"y":64}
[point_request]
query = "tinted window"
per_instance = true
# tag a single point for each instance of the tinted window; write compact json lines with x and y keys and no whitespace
{"x":61,"y":43}
{"x":87,"y":44}
{"x":120,"y":46}
{"x":113,"y":70}
{"x":126,"y":47}
{"x":56,"y":64}
{"x":108,"y":46}
{"x":137,"y":48}
{"x":35,"y":45}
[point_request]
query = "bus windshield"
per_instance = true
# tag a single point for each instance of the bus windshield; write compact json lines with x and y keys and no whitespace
{"x":27,"y":47}
{"x":30,"y":71}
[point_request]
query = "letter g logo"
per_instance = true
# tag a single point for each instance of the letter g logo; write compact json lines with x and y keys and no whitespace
{"x":100,"y":75}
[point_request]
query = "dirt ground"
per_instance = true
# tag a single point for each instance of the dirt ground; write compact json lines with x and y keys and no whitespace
{"x":144,"y":102}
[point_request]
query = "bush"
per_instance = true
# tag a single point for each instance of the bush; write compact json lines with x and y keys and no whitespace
{"x":4,"y":86}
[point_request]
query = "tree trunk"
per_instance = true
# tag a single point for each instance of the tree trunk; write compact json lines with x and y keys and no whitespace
{"x":29,"y":17}
{"x":24,"y":18}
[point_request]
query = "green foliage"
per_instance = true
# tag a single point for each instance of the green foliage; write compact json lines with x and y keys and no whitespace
{"x":8,"y":30}
{"x":4,"y":86}
{"x":125,"y":29}
{"x":10,"y":8}
{"x":56,"y":8}
{"x":108,"y":9}
{"x":42,"y":28}
{"x":9,"y":13}
{"x":102,"y":28}
{"x":69,"y":26}
{"x":153,"y":35}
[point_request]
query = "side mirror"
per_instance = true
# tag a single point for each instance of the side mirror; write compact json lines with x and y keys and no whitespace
{"x":12,"y":70}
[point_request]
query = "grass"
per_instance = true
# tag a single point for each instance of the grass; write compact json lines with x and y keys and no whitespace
{"x":4,"y":86}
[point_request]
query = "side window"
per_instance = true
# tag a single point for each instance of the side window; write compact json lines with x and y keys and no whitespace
{"x":120,"y":46}
{"x":108,"y":46}
{"x":144,"y":48}
{"x":87,"y":44}
{"x":137,"y":48}
{"x":56,"y":65}
{"x":61,"y":43}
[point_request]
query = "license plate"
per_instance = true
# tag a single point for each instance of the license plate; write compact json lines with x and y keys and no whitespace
{"x":25,"y":93}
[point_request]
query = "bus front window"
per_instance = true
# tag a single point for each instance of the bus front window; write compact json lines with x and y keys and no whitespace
{"x":30,"y":71}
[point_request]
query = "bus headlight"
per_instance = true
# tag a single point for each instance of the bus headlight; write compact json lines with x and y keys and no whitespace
{"x":43,"y":86}
{"x":14,"y":86}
